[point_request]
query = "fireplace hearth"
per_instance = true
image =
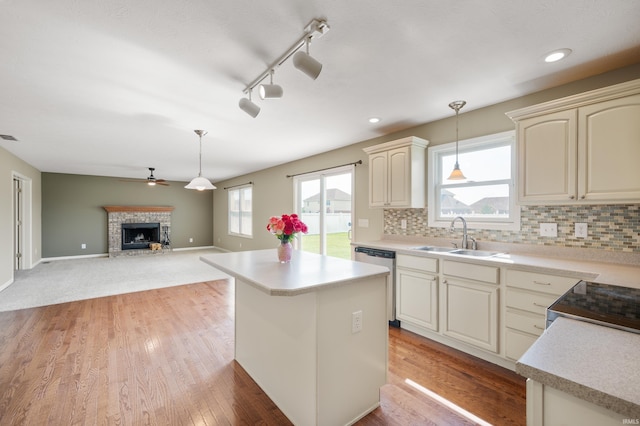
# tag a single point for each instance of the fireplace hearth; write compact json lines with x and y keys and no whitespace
{"x":139,"y":235}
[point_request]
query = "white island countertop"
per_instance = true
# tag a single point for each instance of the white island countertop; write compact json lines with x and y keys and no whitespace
{"x":307,"y":272}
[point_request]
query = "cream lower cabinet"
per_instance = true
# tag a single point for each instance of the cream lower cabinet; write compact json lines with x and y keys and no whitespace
{"x":528,"y":294}
{"x":547,"y":406}
{"x":580,"y":149}
{"x":417,"y":291}
{"x":470,"y":303}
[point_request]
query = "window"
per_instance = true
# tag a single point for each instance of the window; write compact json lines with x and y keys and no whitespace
{"x":486,"y":199}
{"x":329,"y":226}
{"x":240,"y":211}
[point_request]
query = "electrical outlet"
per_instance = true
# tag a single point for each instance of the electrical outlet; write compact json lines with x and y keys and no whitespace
{"x":581,"y":230}
{"x":363,"y":223}
{"x":403,"y":223}
{"x":83,"y":246}
{"x":190,"y":240}
{"x":548,"y":229}
{"x":356,"y":322}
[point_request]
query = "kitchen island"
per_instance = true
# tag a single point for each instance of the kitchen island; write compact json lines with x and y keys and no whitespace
{"x":296,"y":332}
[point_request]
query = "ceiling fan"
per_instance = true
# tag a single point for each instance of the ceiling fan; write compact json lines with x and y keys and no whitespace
{"x":151,"y":180}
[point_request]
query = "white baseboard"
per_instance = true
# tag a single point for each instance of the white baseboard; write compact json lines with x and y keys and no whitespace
{"x":53,"y":259}
{"x":7,"y":284}
{"x":84,"y":256}
{"x":200,"y":248}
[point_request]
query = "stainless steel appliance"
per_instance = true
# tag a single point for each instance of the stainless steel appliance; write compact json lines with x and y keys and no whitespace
{"x":603,"y":304}
{"x":383,"y":258}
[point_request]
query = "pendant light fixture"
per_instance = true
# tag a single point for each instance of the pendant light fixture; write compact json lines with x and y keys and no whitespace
{"x":456,"y":174}
{"x":200,"y":183}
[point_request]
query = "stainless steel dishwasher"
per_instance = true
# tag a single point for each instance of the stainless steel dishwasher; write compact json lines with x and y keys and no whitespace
{"x":383,"y":258}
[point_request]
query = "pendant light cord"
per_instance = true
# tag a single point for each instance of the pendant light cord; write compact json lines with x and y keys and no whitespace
{"x":200,"y":133}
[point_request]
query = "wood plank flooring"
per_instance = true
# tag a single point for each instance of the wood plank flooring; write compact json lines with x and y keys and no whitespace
{"x":165,"y":357}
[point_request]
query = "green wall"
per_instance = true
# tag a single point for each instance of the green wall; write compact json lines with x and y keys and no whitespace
{"x":73,"y":214}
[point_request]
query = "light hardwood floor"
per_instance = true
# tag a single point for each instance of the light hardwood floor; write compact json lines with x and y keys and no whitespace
{"x":165,"y":357}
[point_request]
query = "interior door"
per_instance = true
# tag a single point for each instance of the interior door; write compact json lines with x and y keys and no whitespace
{"x":324,"y":203}
{"x":18,"y":223}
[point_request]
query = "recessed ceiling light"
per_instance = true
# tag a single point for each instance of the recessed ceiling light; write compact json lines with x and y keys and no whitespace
{"x":556,"y":55}
{"x":374,"y":120}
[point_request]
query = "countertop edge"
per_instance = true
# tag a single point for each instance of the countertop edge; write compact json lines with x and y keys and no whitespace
{"x":532,"y":365}
{"x":604,"y":272}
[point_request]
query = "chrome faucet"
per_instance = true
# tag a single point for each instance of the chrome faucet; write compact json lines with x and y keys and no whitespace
{"x":464,"y":231}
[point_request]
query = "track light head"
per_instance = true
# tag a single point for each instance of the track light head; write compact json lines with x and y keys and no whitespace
{"x":270,"y":91}
{"x":249,"y":107}
{"x":307,"y":64}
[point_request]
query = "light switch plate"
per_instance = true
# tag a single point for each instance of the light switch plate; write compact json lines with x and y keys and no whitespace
{"x":548,"y":229}
{"x":363,"y":223}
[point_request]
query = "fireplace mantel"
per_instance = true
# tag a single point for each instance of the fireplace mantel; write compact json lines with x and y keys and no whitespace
{"x":144,"y":209}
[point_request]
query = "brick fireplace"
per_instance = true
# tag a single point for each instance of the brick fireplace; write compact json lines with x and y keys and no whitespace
{"x":141,"y":216}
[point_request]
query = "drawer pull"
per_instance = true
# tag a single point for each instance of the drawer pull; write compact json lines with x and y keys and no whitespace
{"x":538,"y":327}
{"x":541,"y":283}
{"x":539,"y":305}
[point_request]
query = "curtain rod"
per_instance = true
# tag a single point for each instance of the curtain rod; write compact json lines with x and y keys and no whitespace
{"x":327,"y":168}
{"x":240,"y":184}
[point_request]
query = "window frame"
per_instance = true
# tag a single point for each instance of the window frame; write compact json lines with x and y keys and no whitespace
{"x":435,"y":186}
{"x":230,"y":191}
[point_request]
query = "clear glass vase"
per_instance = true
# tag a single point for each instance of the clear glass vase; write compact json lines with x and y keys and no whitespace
{"x":284,"y":252}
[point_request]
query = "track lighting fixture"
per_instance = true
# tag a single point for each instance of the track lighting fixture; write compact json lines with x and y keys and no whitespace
{"x":270,"y":91}
{"x":456,"y":173}
{"x":249,"y":107}
{"x":307,"y":63}
{"x":301,"y":60}
{"x":200,"y":183}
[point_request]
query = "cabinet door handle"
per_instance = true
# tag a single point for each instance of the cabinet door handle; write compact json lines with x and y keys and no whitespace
{"x":541,"y":283}
{"x":572,"y":197}
{"x":582,"y":197}
{"x":539,"y":305}
{"x":445,"y":282}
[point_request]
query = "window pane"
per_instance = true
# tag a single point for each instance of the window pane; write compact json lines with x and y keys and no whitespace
{"x":479,"y":165}
{"x":486,"y":201}
{"x":310,"y":214}
{"x":246,"y":225}
{"x":234,"y":211}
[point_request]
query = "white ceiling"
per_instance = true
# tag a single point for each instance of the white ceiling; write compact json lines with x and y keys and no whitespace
{"x":112,"y":87}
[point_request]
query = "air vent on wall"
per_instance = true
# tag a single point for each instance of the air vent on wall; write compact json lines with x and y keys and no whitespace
{"x":8,"y":138}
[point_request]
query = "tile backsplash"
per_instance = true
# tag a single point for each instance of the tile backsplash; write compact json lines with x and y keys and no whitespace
{"x":610,"y":227}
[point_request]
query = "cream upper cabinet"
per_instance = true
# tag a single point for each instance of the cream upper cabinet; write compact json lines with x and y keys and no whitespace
{"x":397,"y":173}
{"x":547,"y":159}
{"x":580,"y":149}
{"x":609,"y":150}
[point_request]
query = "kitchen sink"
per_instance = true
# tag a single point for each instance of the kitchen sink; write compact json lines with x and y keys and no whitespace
{"x":476,"y":253}
{"x":436,"y":249}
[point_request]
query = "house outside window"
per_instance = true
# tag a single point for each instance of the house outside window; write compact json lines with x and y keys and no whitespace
{"x":240,"y":211}
{"x":487,"y":198}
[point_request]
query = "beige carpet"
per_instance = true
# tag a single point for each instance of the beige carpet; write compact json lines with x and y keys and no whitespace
{"x":78,"y":279}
